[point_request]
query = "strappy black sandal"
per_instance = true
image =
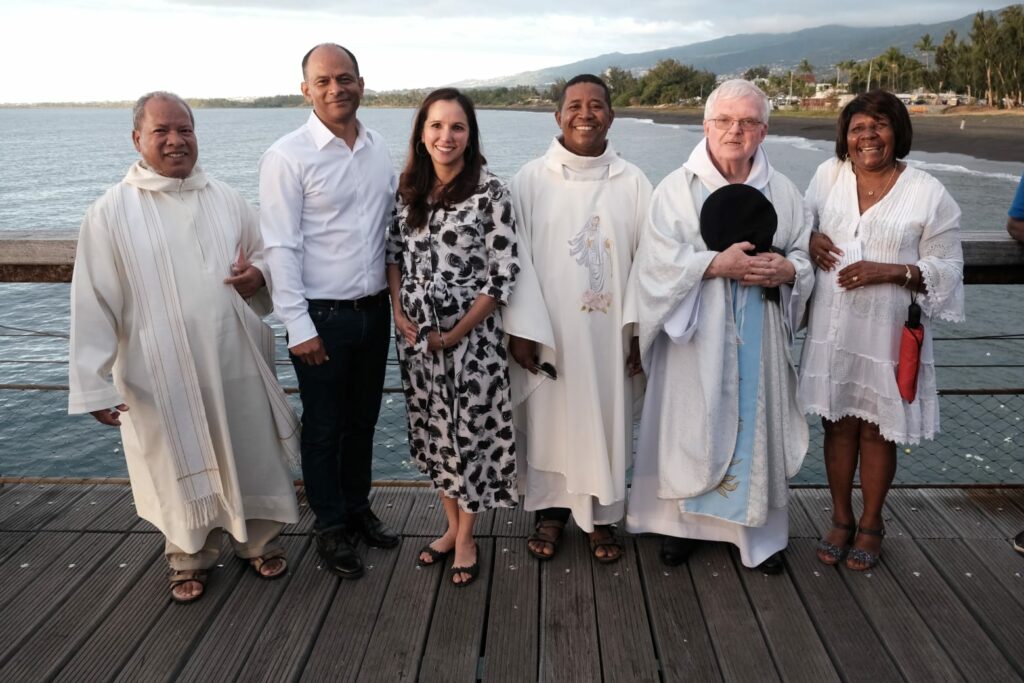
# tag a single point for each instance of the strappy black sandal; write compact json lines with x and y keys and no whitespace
{"x":471,"y":571}
{"x":435,"y":556}
{"x":836,"y":553}
{"x":865,"y":557}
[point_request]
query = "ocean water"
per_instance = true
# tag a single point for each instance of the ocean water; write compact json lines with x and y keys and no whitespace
{"x":55,"y":162}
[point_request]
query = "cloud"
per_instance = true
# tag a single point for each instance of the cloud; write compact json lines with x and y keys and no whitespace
{"x":738,"y":16}
{"x":117,"y":49}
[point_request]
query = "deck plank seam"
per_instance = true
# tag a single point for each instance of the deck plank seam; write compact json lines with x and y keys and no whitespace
{"x":303,"y":659}
{"x":136,"y":643}
{"x":75,"y":583}
{"x":830,"y":648}
{"x":98,"y":618}
{"x":481,"y":659}
{"x":964,"y":599}
{"x":380,"y":607}
{"x":740,"y":569}
{"x":321,"y":617}
{"x":957,"y":596}
{"x":960,"y":526}
{"x":648,"y":609}
{"x":907,"y":675}
{"x":704,"y":619}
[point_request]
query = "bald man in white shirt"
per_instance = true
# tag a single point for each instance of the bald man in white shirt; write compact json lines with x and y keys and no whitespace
{"x":326,"y":196}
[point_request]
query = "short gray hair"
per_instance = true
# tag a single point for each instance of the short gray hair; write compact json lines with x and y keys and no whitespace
{"x":139,"y":110}
{"x":735,"y":89}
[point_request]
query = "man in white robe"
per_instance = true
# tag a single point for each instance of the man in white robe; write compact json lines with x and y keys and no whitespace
{"x":716,"y":352}
{"x":579,"y":213}
{"x":164,"y":260}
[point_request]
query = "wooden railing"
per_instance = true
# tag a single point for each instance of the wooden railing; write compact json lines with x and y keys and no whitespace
{"x":990,"y":258}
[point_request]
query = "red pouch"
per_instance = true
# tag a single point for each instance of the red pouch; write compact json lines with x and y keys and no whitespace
{"x":910,"y":354}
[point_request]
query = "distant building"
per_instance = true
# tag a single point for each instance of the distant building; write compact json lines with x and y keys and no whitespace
{"x":829,"y":90}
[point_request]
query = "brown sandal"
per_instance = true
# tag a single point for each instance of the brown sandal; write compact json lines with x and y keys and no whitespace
{"x":603,"y":537}
{"x":548,"y":532}
{"x":180,"y":578}
{"x":258,"y":563}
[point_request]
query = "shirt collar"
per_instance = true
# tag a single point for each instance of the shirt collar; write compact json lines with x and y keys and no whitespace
{"x":700,"y":164}
{"x":145,"y":178}
{"x":558,"y":156}
{"x":322,"y":135}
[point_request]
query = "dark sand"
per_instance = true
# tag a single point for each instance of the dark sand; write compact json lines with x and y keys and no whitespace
{"x":985,"y":135}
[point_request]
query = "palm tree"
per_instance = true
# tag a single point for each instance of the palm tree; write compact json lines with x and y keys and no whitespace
{"x":893,"y":58}
{"x":847,"y":65}
{"x":926,"y":46}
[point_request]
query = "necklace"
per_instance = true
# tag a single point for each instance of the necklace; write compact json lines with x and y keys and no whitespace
{"x":871,"y":193}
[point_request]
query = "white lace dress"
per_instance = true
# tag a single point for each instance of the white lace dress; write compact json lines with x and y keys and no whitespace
{"x":849,"y":358}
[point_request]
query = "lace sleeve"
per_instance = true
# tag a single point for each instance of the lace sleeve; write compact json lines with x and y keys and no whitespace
{"x":941,"y":260}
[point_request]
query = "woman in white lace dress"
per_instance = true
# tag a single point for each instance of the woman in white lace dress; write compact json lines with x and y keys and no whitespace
{"x":885,"y":234}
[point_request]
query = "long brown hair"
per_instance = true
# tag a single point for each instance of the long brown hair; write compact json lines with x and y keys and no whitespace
{"x":418,"y":178}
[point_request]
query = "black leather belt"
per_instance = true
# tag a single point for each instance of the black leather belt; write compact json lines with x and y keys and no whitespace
{"x":372,"y":301}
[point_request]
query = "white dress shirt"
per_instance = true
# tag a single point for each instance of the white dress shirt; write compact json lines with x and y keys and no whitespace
{"x":324,"y":212}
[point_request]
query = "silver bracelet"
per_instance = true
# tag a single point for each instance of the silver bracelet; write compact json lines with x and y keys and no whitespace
{"x":909,"y":275}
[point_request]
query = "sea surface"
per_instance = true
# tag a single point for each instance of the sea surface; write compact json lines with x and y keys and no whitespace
{"x":55,"y":162}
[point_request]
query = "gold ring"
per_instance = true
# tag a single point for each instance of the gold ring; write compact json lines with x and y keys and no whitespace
{"x":854,"y":278}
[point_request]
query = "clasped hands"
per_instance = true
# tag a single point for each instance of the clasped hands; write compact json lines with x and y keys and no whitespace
{"x":767,"y":269}
{"x":410,"y":333}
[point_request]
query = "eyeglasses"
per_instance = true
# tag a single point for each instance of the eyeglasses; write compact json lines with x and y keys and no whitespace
{"x":746,"y":125}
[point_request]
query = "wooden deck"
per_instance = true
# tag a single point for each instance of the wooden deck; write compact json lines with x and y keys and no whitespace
{"x":83,"y":597}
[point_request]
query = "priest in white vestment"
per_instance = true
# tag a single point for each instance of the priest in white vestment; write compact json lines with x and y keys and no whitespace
{"x":161,"y":332}
{"x":721,"y":430}
{"x":579,"y":213}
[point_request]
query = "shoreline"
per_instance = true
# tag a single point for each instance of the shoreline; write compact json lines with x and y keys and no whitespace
{"x":995,"y":136}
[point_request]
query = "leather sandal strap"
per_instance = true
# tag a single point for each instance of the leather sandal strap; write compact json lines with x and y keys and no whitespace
{"x":871,"y":532}
{"x":186,"y":575}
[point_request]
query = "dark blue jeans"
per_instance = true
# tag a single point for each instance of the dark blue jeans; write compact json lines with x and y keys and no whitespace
{"x":340,"y":405}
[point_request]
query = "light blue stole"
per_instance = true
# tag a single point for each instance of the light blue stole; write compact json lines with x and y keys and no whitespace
{"x":729,"y":500}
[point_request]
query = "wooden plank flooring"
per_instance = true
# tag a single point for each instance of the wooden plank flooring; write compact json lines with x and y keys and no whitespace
{"x":84,"y":597}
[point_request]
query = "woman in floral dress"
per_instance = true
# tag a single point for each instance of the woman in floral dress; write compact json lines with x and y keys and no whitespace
{"x":451,"y":264}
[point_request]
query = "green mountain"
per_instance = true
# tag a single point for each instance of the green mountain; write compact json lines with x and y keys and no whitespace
{"x":822,"y":46}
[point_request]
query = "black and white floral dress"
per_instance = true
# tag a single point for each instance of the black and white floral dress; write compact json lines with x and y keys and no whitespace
{"x":458,"y":408}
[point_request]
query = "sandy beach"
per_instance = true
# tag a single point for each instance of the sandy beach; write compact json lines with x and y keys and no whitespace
{"x":998,"y":136}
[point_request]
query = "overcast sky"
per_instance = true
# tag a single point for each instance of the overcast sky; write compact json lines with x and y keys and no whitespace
{"x":84,"y":50}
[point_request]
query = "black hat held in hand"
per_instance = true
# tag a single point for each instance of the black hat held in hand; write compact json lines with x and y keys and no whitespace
{"x":739,"y":213}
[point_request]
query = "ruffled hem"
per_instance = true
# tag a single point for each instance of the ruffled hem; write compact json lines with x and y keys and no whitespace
{"x":886,"y":430}
{"x":814,"y":346}
{"x":873,"y":379}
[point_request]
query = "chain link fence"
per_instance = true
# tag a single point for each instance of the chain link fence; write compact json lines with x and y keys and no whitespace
{"x":981,"y":442}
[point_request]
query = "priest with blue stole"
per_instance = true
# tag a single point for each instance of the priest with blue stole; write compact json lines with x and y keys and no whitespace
{"x":722,"y":278}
